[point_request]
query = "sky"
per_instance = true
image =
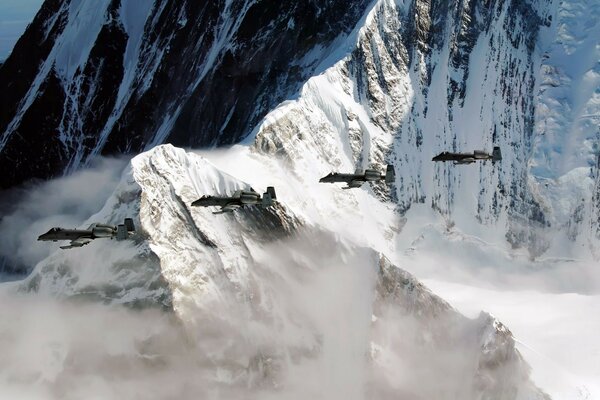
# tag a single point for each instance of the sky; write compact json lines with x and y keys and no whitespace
{"x":15,"y":15}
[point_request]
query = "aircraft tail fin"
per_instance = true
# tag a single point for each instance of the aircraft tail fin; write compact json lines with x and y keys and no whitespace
{"x":496,"y":154}
{"x":269,"y":197}
{"x":121,"y":232}
{"x":390,"y":174}
{"x":129,"y":225}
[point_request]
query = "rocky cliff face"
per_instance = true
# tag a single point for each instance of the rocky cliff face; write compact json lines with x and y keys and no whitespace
{"x":110,"y":77}
{"x":466,"y":76}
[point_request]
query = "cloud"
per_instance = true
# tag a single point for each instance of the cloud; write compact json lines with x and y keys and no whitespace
{"x":557,"y":333}
{"x":301,"y":327}
{"x":456,"y":257}
{"x":67,"y":202}
{"x":302,"y":332}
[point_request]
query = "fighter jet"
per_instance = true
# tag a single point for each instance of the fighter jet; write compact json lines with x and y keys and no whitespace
{"x":239,"y":199}
{"x":359,"y":177}
{"x":469,"y":158}
{"x":81,"y":237}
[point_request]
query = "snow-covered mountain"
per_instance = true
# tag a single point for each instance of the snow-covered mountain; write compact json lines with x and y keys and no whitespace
{"x":398,"y":81}
{"x":109,"y":77}
{"x":479,"y":77}
{"x":276,"y":304}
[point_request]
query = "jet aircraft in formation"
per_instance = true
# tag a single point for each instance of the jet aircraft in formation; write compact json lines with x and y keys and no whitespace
{"x":81,"y":237}
{"x":239,"y":199}
{"x":359,"y":177}
{"x":242,"y":198}
{"x":469,"y":158}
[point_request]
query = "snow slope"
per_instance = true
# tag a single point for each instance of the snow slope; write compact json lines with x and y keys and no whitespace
{"x":386,"y":102}
{"x":545,"y":325}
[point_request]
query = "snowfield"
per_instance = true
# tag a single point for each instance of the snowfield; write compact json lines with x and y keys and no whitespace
{"x":556,"y":333}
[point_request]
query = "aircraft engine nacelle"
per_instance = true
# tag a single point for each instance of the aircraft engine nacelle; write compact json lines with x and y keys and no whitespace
{"x":102,"y":231}
{"x":372,"y":175}
{"x":496,"y":154}
{"x":249,"y":198}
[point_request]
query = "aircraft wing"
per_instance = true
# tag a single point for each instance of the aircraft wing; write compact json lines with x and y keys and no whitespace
{"x":469,"y":160}
{"x":207,"y":201}
{"x":443,"y":156}
{"x":336,"y":177}
{"x":354,"y":184}
{"x":80,"y":242}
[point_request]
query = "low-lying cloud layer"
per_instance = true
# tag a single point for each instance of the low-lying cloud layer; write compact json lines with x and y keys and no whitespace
{"x":455,"y":257}
{"x":67,"y":202}
{"x":304,"y":328}
{"x":302,"y":332}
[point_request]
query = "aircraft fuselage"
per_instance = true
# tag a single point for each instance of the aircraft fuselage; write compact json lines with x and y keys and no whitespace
{"x":56,"y":234}
{"x":468,"y":158}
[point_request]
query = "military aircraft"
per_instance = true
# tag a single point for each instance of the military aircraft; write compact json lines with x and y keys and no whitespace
{"x":239,"y":199}
{"x":359,"y":177}
{"x":469,"y":158}
{"x":81,"y":237}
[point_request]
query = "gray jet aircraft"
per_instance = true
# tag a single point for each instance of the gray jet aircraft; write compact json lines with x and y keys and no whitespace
{"x":81,"y":237}
{"x":469,"y":158}
{"x":358,"y":178}
{"x":239,"y":199}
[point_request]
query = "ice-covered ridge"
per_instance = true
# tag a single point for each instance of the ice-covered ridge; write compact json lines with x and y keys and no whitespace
{"x":388,"y":102}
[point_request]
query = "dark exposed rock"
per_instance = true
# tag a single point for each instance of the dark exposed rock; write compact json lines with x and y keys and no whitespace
{"x":206,"y":73}
{"x":34,"y":150}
